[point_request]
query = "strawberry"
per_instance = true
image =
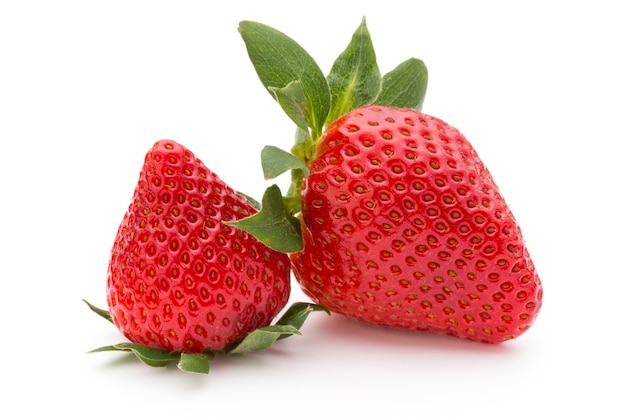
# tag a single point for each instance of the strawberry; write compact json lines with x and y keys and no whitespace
{"x":183,"y":284}
{"x":178,"y":278}
{"x":405,"y":227}
{"x":402,"y":225}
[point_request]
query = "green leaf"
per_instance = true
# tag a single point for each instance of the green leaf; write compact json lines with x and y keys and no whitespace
{"x":293,"y":101}
{"x":262,"y":338}
{"x":279,"y":61}
{"x":405,"y":85}
{"x":196,"y":362}
{"x":301,"y":136}
{"x":275,"y":161}
{"x":273,"y":225}
{"x":149,"y":356}
{"x":102,"y":313}
{"x":288,"y":325}
{"x":297,"y":314}
{"x":354,"y":79}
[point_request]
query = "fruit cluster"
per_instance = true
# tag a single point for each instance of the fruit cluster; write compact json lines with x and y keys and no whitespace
{"x":391,"y":218}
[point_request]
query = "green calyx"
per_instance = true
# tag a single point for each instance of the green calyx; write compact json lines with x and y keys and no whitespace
{"x":260,"y":339}
{"x":313,"y":101}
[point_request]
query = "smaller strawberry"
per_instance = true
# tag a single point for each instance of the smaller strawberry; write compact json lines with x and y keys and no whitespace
{"x":180,"y":280}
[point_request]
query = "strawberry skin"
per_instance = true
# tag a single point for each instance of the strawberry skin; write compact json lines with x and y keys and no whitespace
{"x":178,"y":278}
{"x":403,"y":226}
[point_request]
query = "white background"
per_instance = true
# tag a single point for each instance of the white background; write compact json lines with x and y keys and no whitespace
{"x":87,"y":87}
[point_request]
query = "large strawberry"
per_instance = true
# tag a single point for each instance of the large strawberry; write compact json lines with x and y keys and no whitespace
{"x":180,"y":279}
{"x":402,"y":224}
{"x":405,"y":227}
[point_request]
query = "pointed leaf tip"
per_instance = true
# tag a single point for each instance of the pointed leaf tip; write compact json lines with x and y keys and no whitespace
{"x":405,"y":86}
{"x":272,"y":225}
{"x":101,"y":312}
{"x":297,"y":314}
{"x":149,"y":356}
{"x":263,"y":338}
{"x":275,"y":162}
{"x":354,"y":79}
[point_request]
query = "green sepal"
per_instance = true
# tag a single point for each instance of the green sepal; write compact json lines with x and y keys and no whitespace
{"x":354,"y":79}
{"x":262,"y":338}
{"x":293,"y":101}
{"x":405,"y":86}
{"x":297,"y":313}
{"x":279,"y":61}
{"x":288,"y":324}
{"x":275,"y":162}
{"x":101,"y":312}
{"x":199,"y":363}
{"x":273,"y":225}
{"x":149,"y":356}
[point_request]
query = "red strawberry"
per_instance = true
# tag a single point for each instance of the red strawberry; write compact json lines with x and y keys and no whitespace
{"x":405,"y":227}
{"x":181,"y":280}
